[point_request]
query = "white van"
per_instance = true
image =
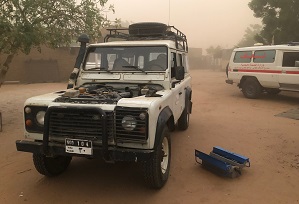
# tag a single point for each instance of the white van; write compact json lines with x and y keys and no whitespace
{"x":264,"y":68}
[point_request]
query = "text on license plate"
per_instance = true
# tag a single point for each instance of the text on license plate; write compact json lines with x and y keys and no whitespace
{"x":76,"y":146}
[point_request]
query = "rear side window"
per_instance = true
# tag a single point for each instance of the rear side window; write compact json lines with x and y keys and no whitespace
{"x":243,"y":57}
{"x":264,"y":56}
{"x":289,"y":59}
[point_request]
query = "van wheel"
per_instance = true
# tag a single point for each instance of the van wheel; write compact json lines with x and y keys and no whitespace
{"x":156,"y":169}
{"x":251,"y":88}
{"x":50,"y":166}
{"x":272,"y":91}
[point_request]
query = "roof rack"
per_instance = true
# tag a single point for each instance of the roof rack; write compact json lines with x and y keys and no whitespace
{"x":293,"y":43}
{"x":149,"y":31}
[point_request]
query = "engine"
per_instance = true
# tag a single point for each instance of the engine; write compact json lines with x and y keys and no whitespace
{"x":94,"y":94}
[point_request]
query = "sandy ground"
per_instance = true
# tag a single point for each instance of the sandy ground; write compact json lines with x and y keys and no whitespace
{"x":221,"y":117}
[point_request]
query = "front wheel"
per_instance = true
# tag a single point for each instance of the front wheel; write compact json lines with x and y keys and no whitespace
{"x":183,"y":122}
{"x":156,"y":170}
{"x":251,"y":88}
{"x":51,"y":166}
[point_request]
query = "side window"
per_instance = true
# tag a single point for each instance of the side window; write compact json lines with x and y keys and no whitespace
{"x":243,"y":57}
{"x":185,"y":62}
{"x":180,"y":60}
{"x":289,"y":59}
{"x":173,"y":64}
{"x":264,"y":56}
{"x":173,"y":60}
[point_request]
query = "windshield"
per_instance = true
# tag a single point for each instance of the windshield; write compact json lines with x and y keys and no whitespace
{"x":126,"y":59}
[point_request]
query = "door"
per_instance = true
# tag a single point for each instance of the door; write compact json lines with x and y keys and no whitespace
{"x":289,"y":78}
{"x":177,"y":87}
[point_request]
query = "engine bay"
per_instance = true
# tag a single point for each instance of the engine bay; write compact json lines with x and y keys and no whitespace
{"x":92,"y":93}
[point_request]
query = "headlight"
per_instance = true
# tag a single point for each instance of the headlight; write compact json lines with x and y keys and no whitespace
{"x":34,"y":118}
{"x":40,"y":117}
{"x":129,"y":123}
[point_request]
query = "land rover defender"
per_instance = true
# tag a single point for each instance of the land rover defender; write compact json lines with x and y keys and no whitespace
{"x":123,"y":98}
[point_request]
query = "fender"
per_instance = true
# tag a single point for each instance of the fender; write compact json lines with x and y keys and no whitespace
{"x":163,"y":118}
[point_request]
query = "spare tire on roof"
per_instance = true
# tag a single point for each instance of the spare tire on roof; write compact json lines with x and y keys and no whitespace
{"x":147,"y":29}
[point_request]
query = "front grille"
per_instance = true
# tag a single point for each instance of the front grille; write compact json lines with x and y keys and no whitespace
{"x":140,"y":133}
{"x":79,"y":124}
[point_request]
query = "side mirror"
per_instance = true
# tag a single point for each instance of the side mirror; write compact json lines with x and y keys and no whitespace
{"x":296,"y":63}
{"x":179,"y":73}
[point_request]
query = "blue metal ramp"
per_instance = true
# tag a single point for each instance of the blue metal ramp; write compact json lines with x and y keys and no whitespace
{"x":222,"y":162}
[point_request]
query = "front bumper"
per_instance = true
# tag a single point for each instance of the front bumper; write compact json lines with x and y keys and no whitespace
{"x":229,"y":81}
{"x":113,"y":153}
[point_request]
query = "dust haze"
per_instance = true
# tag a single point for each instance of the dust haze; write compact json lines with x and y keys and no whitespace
{"x":206,"y":23}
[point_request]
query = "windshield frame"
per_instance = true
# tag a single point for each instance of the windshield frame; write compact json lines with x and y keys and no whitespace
{"x":133,"y":56}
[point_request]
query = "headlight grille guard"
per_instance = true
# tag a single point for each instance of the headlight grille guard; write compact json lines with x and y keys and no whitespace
{"x":35,"y":128}
{"x":140,"y":133}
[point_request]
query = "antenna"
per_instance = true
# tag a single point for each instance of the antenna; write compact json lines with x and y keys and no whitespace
{"x":168,"y":11}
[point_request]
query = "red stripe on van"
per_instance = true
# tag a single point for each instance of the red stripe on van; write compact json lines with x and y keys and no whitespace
{"x":292,"y":72}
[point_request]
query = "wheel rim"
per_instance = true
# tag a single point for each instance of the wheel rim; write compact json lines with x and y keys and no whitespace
{"x":165,"y":155}
{"x":250,"y":90}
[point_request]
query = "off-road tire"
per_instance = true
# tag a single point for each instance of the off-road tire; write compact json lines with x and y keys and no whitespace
{"x":272,"y":91}
{"x":154,"y":176}
{"x":251,"y":88}
{"x":50,"y":166}
{"x":183,"y":122}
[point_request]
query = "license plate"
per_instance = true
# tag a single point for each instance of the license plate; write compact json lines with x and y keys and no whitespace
{"x":75,"y":146}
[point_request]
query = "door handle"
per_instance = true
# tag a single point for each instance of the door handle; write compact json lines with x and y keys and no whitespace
{"x":180,"y":93}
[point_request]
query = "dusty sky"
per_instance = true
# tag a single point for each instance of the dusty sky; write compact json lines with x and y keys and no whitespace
{"x":205,"y":22}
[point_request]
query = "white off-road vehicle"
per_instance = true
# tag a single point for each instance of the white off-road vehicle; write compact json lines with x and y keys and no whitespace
{"x":123,"y":99}
{"x":265,"y":68}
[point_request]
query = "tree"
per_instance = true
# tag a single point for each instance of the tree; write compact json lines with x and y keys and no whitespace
{"x":279,"y":18}
{"x":216,"y":52}
{"x":249,"y":36}
{"x":27,"y":24}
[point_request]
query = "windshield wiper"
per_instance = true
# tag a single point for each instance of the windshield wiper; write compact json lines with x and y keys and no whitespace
{"x":99,"y":68}
{"x":135,"y":67}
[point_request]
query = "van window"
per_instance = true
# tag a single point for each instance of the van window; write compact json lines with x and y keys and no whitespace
{"x":242,"y":57}
{"x":264,"y":56}
{"x":289,"y":59}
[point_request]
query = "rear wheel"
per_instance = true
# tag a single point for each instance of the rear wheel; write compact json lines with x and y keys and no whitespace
{"x":156,"y":170}
{"x":51,"y":166}
{"x":251,"y":88}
